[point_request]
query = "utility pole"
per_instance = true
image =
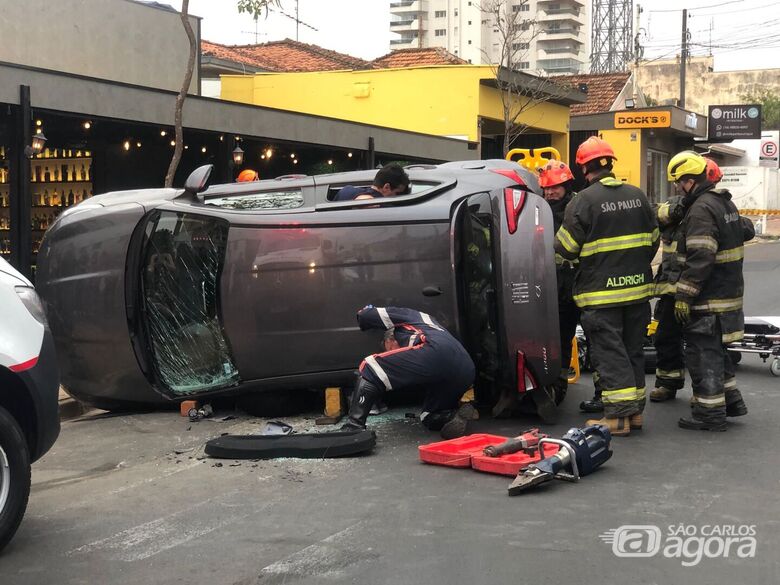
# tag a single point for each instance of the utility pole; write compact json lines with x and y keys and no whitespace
{"x":683,"y":57}
{"x":637,"y":53}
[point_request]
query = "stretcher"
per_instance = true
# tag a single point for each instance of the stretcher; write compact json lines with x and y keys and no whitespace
{"x":762,"y":337}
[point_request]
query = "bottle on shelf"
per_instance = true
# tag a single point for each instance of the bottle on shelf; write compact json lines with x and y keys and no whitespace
{"x":84,"y":176}
{"x":89,"y":171}
{"x":47,"y":175}
{"x":70,"y":200}
{"x":70,"y":172}
{"x":45,"y":197}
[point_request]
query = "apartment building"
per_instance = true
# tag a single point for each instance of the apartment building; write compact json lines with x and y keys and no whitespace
{"x":558,"y":43}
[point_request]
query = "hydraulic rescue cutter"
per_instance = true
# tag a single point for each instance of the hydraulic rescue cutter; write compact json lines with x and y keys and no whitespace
{"x":580,"y":452}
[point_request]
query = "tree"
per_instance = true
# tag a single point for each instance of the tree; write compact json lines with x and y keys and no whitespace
{"x":520,"y":92}
{"x":253,"y":7}
{"x":770,"y":106}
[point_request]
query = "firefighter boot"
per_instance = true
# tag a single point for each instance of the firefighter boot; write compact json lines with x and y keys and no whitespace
{"x":735,"y":406}
{"x":618,"y":427}
{"x":694,"y":424}
{"x":594,"y":405}
{"x":458,"y":424}
{"x":635,"y":421}
{"x":662,"y":394}
{"x":363,"y":398}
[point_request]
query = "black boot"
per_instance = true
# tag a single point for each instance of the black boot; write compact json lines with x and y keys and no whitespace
{"x":364,"y":396}
{"x":694,"y":424}
{"x":594,"y":405}
{"x":735,"y":406}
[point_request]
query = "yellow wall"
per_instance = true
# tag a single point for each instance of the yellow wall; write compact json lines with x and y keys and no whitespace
{"x":445,"y":101}
{"x":628,"y":166}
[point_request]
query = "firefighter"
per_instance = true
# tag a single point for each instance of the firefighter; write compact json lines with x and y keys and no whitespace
{"x":670,"y":365}
{"x":418,"y":353}
{"x":708,"y":298}
{"x":556,"y":180}
{"x":610,"y":227}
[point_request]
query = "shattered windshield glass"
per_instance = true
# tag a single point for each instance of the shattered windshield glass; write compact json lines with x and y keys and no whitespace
{"x":267,"y":200}
{"x":182,"y":261}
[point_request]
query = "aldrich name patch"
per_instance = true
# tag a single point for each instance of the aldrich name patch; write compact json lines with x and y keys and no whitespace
{"x":628,"y":280}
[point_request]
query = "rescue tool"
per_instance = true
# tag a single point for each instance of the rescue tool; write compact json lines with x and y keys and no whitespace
{"x":527,"y":442}
{"x":580,"y":452}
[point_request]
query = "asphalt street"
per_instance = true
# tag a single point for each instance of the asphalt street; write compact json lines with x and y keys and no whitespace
{"x":130,"y":499}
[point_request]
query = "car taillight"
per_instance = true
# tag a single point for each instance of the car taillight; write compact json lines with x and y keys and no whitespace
{"x":525,"y":379}
{"x":514,"y":199}
{"x":510,"y":174}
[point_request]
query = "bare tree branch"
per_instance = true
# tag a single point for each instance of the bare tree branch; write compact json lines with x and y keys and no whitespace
{"x":520,"y":91}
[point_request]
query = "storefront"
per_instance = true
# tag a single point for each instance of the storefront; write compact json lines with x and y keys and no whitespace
{"x":644,"y":139}
{"x":105,"y":136}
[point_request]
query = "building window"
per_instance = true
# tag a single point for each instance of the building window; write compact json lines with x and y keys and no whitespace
{"x":521,"y":8}
{"x":440,"y":14}
{"x":441,"y":32}
{"x":469,"y":42}
{"x":524,"y":65}
{"x":456,"y":12}
{"x":523,"y":26}
{"x":520,"y":46}
{"x":469,"y":22}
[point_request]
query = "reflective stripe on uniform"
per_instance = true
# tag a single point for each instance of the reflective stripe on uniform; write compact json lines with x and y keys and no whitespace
{"x":731,"y":255}
{"x":620,"y":395}
{"x":623,"y":295}
{"x":669,"y":248}
{"x":719,"y":305}
{"x":701,"y":242}
{"x":386,"y":321}
{"x":665,"y":288}
{"x":617,"y":243}
{"x":730,"y":383}
{"x":681,"y":258}
{"x":711,"y":401}
{"x":374,"y":365}
{"x":640,"y":393}
{"x":671,"y":374}
{"x":663,"y":213}
{"x":611,"y":182}
{"x":687,"y":288}
{"x":567,"y":241}
{"x":428,"y":321}
{"x":733,"y":336}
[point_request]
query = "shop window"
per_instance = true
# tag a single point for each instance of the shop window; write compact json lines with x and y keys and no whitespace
{"x":182,"y":260}
{"x":260,"y":201}
{"x":657,"y":183}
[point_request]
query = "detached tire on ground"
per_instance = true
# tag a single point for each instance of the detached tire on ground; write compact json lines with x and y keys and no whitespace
{"x":304,"y":446}
{"x":14,"y":476}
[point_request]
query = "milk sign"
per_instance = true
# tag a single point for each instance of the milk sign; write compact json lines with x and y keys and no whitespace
{"x":727,"y":123}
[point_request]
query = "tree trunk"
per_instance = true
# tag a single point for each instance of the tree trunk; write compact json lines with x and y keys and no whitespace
{"x":179,"y":108}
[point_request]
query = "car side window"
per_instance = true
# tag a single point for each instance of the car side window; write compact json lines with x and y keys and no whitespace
{"x":288,"y":199}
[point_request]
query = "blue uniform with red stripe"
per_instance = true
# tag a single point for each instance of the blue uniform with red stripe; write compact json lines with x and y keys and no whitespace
{"x":429,"y":357}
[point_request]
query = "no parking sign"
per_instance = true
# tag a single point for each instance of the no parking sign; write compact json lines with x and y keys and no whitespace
{"x":769,"y":155}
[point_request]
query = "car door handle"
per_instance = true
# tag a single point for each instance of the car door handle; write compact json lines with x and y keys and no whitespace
{"x":431,"y":291}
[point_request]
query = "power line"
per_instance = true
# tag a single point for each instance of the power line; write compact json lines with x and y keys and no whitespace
{"x":700,"y":7}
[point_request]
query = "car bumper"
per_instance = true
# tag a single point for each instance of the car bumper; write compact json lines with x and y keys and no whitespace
{"x":43,"y":384}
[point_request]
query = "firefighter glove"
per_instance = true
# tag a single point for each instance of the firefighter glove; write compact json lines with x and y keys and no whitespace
{"x":682,"y":312}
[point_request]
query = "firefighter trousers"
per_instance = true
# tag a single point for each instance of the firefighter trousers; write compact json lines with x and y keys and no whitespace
{"x":670,"y":364}
{"x":617,"y":336}
{"x":568,"y":317}
{"x":713,"y":374}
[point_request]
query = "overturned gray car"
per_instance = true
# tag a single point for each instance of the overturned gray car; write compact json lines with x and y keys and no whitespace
{"x":163,"y":294}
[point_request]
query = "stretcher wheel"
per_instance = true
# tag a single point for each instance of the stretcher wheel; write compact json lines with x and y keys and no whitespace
{"x":774,"y":367}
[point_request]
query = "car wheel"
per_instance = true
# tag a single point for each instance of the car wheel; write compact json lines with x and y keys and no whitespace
{"x":14,"y":476}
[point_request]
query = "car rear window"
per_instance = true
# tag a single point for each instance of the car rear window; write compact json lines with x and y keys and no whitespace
{"x":260,"y":201}
{"x":415,"y":188}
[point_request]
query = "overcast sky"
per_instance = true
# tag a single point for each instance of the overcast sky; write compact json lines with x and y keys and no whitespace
{"x":745,"y":34}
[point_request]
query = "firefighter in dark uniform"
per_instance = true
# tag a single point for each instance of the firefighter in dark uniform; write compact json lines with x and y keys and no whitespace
{"x":708,"y":299}
{"x":556,"y":180}
{"x":418,"y":353}
{"x":611,"y":228}
{"x":670,"y":364}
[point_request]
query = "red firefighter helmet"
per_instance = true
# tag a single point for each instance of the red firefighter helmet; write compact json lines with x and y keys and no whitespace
{"x":593,"y":148}
{"x":247,"y":175}
{"x":712,"y":171}
{"x":554,"y":173}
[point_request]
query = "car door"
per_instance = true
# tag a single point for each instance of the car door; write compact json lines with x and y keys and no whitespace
{"x":508,"y":292}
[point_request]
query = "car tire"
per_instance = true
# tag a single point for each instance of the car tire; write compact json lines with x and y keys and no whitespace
{"x":303,"y":446}
{"x":14,"y":476}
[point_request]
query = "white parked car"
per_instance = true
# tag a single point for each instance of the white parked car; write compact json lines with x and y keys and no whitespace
{"x":29,"y":389}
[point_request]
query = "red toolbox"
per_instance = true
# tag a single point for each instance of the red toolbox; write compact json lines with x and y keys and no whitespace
{"x":467,"y":452}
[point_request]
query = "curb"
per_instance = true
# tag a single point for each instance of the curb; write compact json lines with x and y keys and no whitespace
{"x":71,"y":408}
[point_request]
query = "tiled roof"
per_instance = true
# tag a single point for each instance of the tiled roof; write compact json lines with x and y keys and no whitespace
{"x":415,"y":57}
{"x":603,"y":90}
{"x":286,"y":55}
